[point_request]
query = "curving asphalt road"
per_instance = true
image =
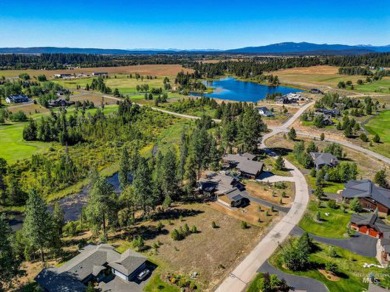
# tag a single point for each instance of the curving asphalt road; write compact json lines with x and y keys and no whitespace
{"x":247,"y":269}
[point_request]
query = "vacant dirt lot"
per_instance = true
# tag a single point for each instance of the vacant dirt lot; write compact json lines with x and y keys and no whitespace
{"x":271,"y":193}
{"x":254,"y":213}
{"x":155,"y":70}
{"x":28,"y":109}
{"x":95,"y":98}
{"x":212,"y":252}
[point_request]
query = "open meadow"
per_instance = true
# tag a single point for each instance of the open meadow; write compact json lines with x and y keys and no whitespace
{"x":327,"y":77}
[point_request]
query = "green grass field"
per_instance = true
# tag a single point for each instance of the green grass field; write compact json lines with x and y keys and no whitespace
{"x":14,"y":148}
{"x":12,"y":145}
{"x":380,"y":125}
{"x":332,"y":226}
{"x":329,"y":187}
{"x":350,"y":266}
{"x":380,"y":86}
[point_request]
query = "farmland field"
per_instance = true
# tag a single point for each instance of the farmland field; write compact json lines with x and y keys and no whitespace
{"x":154,"y":70}
{"x":326,"y":76}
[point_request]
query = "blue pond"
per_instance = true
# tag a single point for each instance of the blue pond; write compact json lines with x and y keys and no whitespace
{"x":232,"y":89}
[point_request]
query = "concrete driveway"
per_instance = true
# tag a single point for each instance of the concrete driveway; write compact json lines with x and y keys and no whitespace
{"x":268,"y":176}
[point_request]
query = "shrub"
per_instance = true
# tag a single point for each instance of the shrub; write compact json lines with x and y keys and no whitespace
{"x":280,"y":185}
{"x":175,"y":234}
{"x":18,"y":117}
{"x":363,"y":137}
{"x":186,"y":229}
{"x":160,"y":226}
{"x":332,"y":252}
{"x":138,"y":243}
{"x":376,"y":138}
{"x":244,"y":225}
{"x":214,"y":225}
{"x":194,"y":229}
{"x":332,"y":204}
{"x":355,"y":205}
{"x":318,"y":216}
{"x":331,"y":267}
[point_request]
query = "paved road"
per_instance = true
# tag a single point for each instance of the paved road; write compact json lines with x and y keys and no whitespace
{"x":360,"y":244}
{"x":247,"y":269}
{"x":284,"y":128}
{"x":295,"y":282}
{"x":349,"y":145}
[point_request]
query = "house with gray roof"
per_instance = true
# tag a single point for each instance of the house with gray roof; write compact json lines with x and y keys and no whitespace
{"x":264,"y":111}
{"x":93,"y":264}
{"x":217,"y":183}
{"x":323,"y":159}
{"x":371,"y":196}
{"x":236,"y":198}
{"x":19,"y":98}
{"x":245,"y":163}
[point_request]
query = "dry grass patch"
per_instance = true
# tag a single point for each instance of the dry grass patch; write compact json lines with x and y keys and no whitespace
{"x":212,"y":252}
{"x":155,"y":70}
{"x":323,"y":76}
{"x":28,"y":108}
{"x":270,"y":193}
{"x":95,"y":98}
{"x":254,"y":213}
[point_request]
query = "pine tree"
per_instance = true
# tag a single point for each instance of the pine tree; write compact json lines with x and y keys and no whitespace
{"x":169,"y":183}
{"x":380,"y":179}
{"x":279,"y":163}
{"x":292,"y":134}
{"x":38,"y":224}
{"x":124,"y":169}
{"x":9,"y":263}
{"x":58,"y":218}
{"x":142,"y":185}
{"x":101,"y":205}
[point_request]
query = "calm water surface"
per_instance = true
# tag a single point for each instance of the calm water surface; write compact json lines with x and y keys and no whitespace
{"x":232,"y":89}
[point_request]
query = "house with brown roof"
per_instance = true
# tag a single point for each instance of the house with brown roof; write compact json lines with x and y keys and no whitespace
{"x":371,"y":196}
{"x":369,"y":224}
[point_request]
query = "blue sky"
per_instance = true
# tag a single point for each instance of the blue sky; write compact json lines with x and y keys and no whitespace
{"x":193,"y":24}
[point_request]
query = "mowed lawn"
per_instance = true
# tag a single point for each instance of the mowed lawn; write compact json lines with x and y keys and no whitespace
{"x":14,"y":148}
{"x":12,"y":145}
{"x":380,"y":125}
{"x":333,"y":226}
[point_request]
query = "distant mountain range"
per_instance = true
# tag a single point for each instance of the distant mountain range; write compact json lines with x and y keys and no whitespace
{"x":287,"y":48}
